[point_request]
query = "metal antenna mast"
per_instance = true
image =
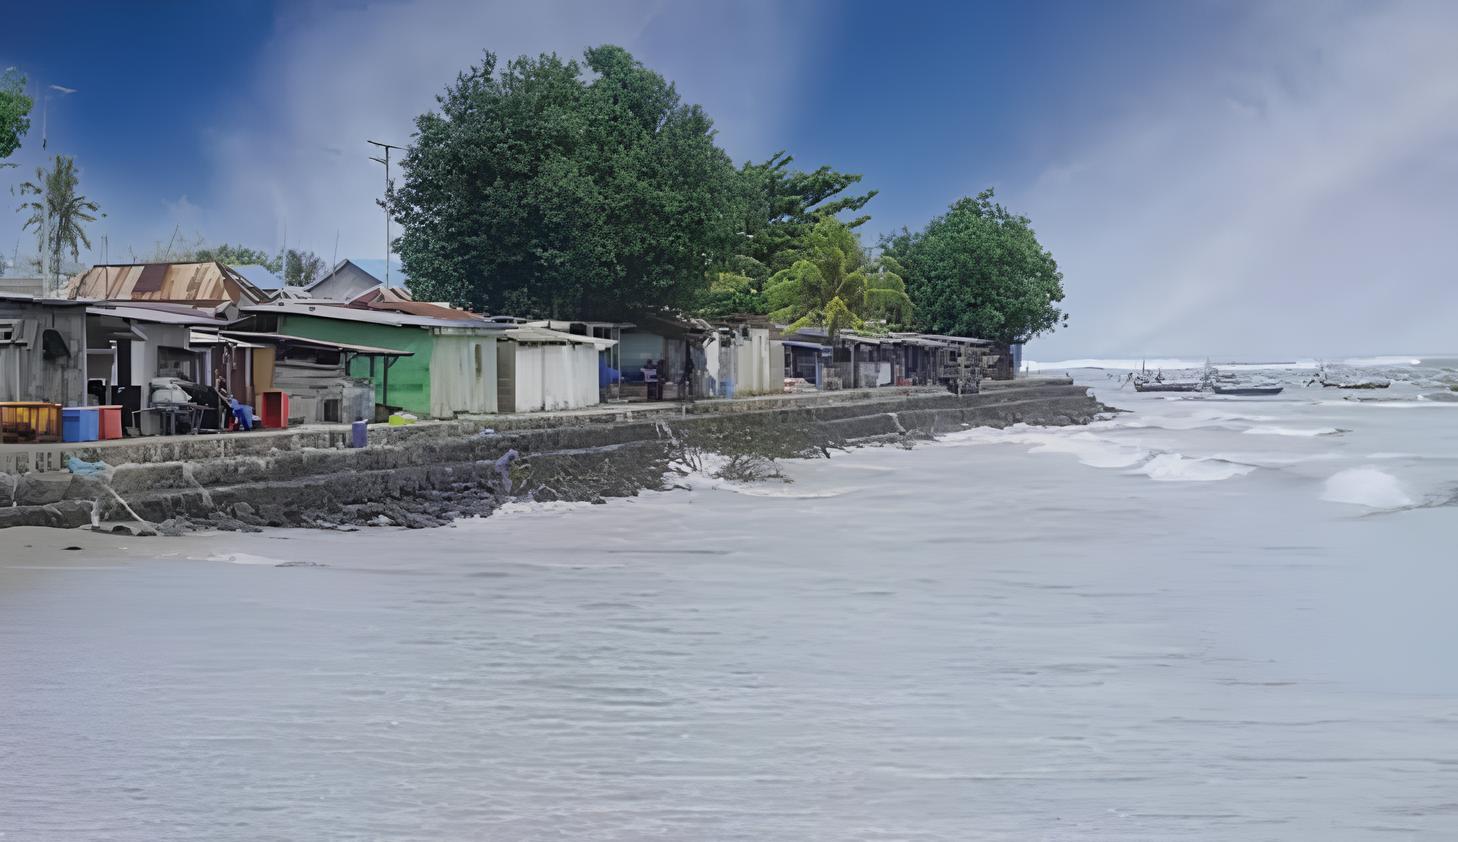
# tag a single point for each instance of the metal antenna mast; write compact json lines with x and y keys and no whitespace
{"x":386,"y":161}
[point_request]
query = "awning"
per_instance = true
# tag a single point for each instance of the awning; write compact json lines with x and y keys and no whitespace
{"x":200,"y":337}
{"x":795,"y":343}
{"x":279,"y":339}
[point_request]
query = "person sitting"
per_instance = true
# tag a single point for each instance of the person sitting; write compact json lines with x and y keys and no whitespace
{"x":242,"y":413}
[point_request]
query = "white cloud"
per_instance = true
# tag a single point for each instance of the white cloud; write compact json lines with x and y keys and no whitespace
{"x":1294,"y":197}
{"x":335,"y":76}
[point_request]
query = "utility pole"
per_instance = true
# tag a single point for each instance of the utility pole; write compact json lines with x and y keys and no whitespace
{"x":383,"y":202}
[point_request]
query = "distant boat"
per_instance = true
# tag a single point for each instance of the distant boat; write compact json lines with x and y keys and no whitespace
{"x":1247,"y":391}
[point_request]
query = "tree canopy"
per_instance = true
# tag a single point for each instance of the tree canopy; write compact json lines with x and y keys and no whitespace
{"x":979,"y":270}
{"x":240,"y":255}
{"x":301,"y":268}
{"x":834,"y":285}
{"x":14,"y":113}
{"x":781,"y":207}
{"x":553,"y":188}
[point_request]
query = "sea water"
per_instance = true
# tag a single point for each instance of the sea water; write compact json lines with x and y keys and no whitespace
{"x":1207,"y":618}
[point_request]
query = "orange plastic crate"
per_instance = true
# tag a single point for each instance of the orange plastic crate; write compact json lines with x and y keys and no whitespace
{"x":30,"y":421}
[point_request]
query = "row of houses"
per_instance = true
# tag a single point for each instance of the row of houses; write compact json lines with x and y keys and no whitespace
{"x":349,"y":348}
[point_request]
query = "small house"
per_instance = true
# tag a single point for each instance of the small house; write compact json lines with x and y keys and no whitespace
{"x":345,"y":282}
{"x":129,"y":345}
{"x":451,"y":368}
{"x":538,"y":368}
{"x":316,"y":375}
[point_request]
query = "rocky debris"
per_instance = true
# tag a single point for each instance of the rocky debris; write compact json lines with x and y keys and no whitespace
{"x":134,"y":528}
{"x":39,"y":489}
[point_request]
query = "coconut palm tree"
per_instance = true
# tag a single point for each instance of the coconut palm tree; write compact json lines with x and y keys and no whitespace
{"x":57,"y":212}
{"x":834,"y":284}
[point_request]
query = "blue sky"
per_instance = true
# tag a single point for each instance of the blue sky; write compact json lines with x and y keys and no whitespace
{"x":1214,"y":178}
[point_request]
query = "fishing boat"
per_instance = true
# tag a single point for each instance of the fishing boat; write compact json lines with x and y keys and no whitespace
{"x":1168,"y":385}
{"x":1246,"y":391}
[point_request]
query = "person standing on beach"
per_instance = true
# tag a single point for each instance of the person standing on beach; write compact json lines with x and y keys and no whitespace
{"x":650,"y":381}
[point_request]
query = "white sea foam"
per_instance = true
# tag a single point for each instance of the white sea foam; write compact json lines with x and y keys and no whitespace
{"x":1090,"y":449}
{"x":1298,"y":432}
{"x":1394,"y":404}
{"x":247,"y":558}
{"x":532,"y":507}
{"x":1366,"y":486}
{"x":1175,"y":467}
{"x":1377,"y":362}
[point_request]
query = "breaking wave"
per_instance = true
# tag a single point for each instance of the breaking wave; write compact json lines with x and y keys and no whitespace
{"x":1299,"y":432}
{"x":1174,"y":467}
{"x":1366,"y":486}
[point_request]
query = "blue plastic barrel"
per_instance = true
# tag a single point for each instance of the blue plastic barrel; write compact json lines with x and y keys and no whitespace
{"x":359,"y":434}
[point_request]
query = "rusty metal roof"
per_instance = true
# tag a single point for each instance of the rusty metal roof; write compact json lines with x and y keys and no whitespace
{"x":190,"y":283}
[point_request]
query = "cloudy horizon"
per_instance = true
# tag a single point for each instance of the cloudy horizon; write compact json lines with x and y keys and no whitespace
{"x":1226,"y":179}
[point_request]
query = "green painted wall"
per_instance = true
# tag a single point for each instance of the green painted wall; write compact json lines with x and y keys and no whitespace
{"x":409,"y":376}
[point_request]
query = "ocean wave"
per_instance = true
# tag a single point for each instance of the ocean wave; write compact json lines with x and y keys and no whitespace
{"x":1366,"y":486}
{"x":1175,"y":467}
{"x":1391,"y":404}
{"x":248,"y":558}
{"x":1090,"y":449}
{"x":1299,"y":432}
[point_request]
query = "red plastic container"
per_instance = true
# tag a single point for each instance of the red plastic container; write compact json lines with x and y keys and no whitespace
{"x":273,"y":409}
{"x":110,"y":425}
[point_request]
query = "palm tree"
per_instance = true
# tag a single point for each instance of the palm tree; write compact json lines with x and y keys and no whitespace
{"x":56,"y":212}
{"x":834,"y":284}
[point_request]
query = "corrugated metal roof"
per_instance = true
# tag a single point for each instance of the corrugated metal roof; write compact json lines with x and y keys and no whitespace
{"x":542,"y":335}
{"x":45,"y":302}
{"x":202,"y":283}
{"x":153,"y":313}
{"x":380,"y":317}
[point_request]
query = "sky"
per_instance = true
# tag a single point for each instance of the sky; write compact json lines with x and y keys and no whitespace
{"x":1255,"y":180}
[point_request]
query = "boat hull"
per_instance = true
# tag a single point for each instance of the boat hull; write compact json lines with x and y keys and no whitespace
{"x":1248,"y":391}
{"x":1166,"y":387}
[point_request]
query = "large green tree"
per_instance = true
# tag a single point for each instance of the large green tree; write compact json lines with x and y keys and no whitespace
{"x":835,"y":285}
{"x":56,"y":211}
{"x":553,"y":188}
{"x":979,"y":270}
{"x":14,"y":113}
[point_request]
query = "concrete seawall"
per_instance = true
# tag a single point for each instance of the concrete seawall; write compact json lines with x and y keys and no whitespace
{"x":428,"y":474}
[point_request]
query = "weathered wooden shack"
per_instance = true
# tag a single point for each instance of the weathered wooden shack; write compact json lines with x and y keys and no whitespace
{"x":42,"y":350}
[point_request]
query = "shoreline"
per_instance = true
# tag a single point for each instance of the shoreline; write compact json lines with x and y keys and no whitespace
{"x":433,"y":473}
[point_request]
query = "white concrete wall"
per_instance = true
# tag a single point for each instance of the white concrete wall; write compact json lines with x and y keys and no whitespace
{"x":755,"y":366}
{"x":552,"y":377}
{"x":462,"y":375}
